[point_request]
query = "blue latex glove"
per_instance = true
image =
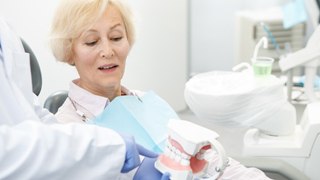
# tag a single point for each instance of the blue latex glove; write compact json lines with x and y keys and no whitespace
{"x":147,"y":171}
{"x":133,"y":150}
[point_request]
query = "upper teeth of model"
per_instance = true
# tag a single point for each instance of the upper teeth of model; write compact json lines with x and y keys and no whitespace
{"x":178,"y":156}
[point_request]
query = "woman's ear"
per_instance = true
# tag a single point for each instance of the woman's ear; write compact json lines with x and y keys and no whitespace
{"x":71,"y":61}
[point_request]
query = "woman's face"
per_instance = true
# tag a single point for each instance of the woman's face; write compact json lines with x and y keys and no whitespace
{"x":100,"y":54}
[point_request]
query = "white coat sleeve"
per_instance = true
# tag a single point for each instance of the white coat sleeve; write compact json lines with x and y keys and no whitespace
{"x":43,"y":114}
{"x":33,"y":150}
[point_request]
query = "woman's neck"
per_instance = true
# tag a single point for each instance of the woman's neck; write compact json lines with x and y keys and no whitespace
{"x":112,"y":92}
{"x":109,"y":92}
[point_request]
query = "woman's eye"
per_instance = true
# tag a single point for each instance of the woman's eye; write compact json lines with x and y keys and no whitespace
{"x":92,"y":43}
{"x":116,"y":38}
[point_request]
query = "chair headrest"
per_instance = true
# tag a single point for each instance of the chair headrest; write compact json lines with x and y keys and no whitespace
{"x":35,"y":69}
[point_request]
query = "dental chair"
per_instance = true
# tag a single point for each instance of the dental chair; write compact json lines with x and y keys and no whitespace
{"x":56,"y":99}
{"x":35,"y":69}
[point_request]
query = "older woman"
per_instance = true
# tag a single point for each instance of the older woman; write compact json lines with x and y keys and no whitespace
{"x":95,"y":37}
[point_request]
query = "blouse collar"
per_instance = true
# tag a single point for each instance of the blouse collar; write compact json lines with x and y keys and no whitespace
{"x":93,"y":103}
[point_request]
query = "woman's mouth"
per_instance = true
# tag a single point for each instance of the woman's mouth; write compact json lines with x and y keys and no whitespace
{"x":108,"y":67}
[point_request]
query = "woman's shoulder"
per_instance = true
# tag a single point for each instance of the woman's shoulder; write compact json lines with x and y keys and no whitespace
{"x":66,"y":113}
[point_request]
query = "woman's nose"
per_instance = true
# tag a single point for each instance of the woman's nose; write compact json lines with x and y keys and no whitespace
{"x":106,"y":50}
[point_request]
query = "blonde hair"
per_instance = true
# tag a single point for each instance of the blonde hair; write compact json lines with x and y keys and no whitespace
{"x":74,"y":16}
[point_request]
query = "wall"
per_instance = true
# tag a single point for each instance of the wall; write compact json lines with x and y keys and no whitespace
{"x":157,"y":62}
{"x":159,"y":58}
{"x":212,"y":32}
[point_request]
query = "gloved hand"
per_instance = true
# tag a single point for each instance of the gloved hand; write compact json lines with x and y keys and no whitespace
{"x":133,"y":150}
{"x":147,"y":171}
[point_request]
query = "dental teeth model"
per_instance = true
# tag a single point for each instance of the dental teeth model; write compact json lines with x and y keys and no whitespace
{"x":191,"y":151}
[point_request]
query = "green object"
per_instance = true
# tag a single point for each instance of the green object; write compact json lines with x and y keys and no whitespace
{"x":262,"y":66}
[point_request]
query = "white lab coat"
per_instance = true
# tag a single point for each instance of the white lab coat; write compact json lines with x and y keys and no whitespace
{"x":30,"y":149}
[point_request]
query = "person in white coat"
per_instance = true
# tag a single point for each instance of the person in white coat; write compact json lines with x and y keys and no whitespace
{"x":34,"y":146}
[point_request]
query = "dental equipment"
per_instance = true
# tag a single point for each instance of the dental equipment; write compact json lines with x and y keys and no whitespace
{"x":251,"y":25}
{"x":262,"y":42}
{"x":262,"y":66}
{"x":309,"y":57}
{"x":301,"y":148}
{"x":226,"y":99}
{"x":189,"y":150}
{"x":239,"y":100}
{"x":271,"y":37}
